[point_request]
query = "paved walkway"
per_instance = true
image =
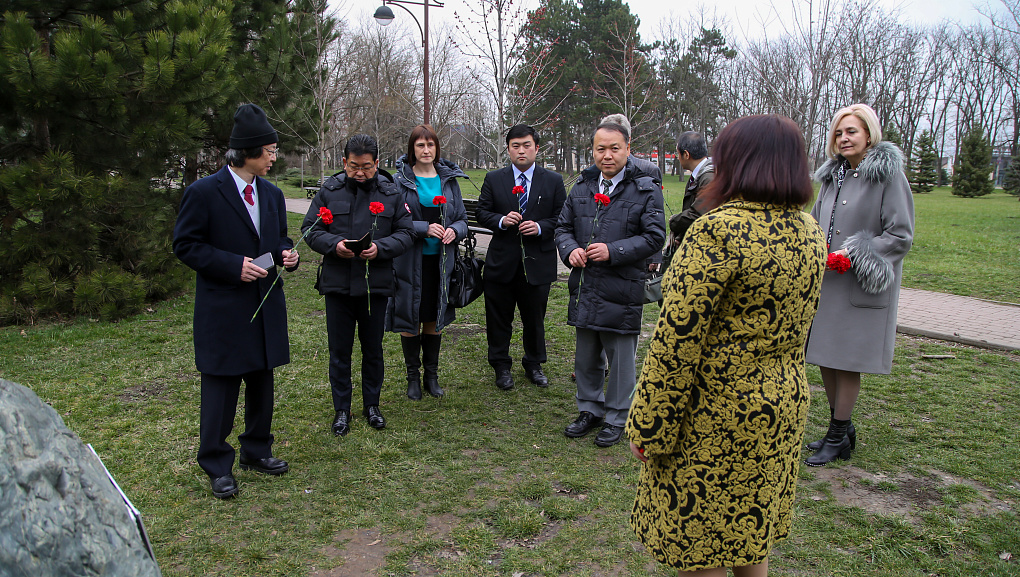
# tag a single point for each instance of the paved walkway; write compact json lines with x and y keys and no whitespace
{"x":939,"y":316}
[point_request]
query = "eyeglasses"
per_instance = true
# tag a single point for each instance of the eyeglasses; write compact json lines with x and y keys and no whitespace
{"x":274,"y":152}
{"x":352,"y":168}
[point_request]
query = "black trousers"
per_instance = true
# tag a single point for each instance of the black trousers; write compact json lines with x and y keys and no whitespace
{"x":500,"y":301}
{"x":342,"y":314}
{"x":216,"y":420}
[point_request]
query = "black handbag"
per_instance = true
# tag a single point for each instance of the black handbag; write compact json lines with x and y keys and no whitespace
{"x":466,"y":279}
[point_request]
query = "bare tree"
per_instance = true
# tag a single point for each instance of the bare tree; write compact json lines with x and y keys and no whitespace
{"x":494,"y":36}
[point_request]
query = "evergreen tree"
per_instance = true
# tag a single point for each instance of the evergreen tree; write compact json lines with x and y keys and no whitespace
{"x":924,"y":165}
{"x":890,"y":134}
{"x":1011,"y":180}
{"x":98,"y":101}
{"x":970,"y":176}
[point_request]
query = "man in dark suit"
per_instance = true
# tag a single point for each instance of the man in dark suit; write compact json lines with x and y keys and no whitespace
{"x":520,"y":263}
{"x":228,"y":220}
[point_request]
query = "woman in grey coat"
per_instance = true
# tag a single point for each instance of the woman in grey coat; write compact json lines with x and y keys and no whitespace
{"x":866,"y":212}
{"x":419,"y":308}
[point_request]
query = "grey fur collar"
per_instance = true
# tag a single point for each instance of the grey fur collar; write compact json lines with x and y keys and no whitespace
{"x":881,"y":162}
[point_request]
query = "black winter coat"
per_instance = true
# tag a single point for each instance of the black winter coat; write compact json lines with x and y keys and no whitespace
{"x":402,"y":309}
{"x":351,"y":220}
{"x":611,"y":295}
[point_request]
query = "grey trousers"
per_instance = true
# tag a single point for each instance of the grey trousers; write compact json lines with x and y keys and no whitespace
{"x":589,"y":367}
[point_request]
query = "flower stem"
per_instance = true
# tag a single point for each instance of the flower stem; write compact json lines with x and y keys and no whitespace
{"x":308,"y":230}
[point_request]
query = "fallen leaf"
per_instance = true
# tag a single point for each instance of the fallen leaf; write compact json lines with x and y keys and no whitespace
{"x":376,"y":542}
{"x":536,"y":446}
{"x":518,"y":573}
{"x":1006,"y":556}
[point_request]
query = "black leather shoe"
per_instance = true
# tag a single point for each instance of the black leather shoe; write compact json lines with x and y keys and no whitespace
{"x":375,"y":418}
{"x":584,"y":424}
{"x":504,"y":380}
{"x":224,"y":487}
{"x":608,"y":436}
{"x":538,"y":377}
{"x":341,"y":423}
{"x":269,"y":465}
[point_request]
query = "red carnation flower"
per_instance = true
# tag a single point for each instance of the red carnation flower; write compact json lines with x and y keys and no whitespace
{"x":601,"y":198}
{"x":518,"y":190}
{"x":326,"y":215}
{"x":376,"y":207}
{"x":838,"y":263}
{"x":437,"y":200}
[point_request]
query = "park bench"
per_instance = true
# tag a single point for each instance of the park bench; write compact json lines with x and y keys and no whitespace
{"x":471,"y":207}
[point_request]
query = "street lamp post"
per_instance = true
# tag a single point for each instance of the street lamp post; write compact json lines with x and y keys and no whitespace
{"x":384,"y":15}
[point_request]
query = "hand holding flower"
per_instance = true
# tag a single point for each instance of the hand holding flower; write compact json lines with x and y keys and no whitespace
{"x":597,"y":252}
{"x":578,"y":258}
{"x":600,"y":253}
{"x":290,"y":259}
{"x":370,"y":253}
{"x":436,"y":230}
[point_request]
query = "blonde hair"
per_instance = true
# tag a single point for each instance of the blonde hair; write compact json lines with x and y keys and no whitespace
{"x":867,"y":116}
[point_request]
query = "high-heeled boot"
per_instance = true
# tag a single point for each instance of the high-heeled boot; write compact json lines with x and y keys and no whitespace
{"x":836,"y":444}
{"x":851,"y":432}
{"x":412,"y":360}
{"x":430,"y":345}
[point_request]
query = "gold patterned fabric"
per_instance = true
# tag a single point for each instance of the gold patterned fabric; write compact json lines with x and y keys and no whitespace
{"x":722,"y":400}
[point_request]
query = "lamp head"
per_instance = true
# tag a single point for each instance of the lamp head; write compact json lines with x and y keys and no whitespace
{"x":383,"y":15}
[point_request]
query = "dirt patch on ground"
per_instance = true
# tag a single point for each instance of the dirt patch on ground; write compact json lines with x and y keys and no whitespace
{"x":904,"y":495}
{"x":363,"y":551}
{"x":453,"y":333}
{"x":155,"y":390}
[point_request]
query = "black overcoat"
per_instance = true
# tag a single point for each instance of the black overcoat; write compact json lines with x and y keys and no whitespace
{"x":213,"y":235}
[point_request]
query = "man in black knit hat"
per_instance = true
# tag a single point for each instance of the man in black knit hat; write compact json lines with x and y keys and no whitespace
{"x":232,"y":230}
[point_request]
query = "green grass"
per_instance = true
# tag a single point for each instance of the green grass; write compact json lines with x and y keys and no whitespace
{"x":483,"y":482}
{"x":966,"y":246}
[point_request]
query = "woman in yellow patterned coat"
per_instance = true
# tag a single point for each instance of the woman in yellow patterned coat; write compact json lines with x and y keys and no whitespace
{"x":719,"y":411}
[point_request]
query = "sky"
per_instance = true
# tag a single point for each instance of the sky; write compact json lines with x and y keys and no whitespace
{"x":745,"y":16}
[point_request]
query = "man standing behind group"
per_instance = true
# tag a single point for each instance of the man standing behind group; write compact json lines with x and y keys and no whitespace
{"x":607,"y":246}
{"x":520,"y":263}
{"x":226,"y":221}
{"x":692,"y":152}
{"x":356,"y":283}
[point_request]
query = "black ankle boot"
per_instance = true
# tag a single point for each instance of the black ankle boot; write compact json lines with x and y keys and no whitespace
{"x":836,"y":444}
{"x":412,"y":360}
{"x":851,"y":434}
{"x":430,"y":345}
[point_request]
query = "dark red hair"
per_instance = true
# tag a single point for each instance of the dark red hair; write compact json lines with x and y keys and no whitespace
{"x":760,"y":159}
{"x":418,"y":132}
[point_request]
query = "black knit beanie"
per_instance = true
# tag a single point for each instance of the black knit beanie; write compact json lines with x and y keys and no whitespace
{"x":251,"y":128}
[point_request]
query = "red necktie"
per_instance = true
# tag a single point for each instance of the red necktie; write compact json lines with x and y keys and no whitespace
{"x":247,"y":195}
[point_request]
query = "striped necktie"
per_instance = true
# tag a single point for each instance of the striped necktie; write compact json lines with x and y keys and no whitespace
{"x":523,"y":182}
